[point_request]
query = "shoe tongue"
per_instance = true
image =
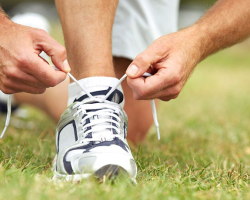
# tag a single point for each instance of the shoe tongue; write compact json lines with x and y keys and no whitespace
{"x":98,"y":87}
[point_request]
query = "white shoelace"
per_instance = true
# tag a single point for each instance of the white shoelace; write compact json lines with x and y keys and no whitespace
{"x":91,"y":97}
{"x":103,"y":116}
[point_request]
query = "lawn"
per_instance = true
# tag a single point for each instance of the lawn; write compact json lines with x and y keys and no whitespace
{"x":204,"y":152}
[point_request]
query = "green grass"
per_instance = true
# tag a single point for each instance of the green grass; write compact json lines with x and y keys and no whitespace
{"x":204,"y":152}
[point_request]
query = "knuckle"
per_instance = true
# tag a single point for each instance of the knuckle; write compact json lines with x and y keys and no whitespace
{"x":5,"y":83}
{"x":10,"y":73}
{"x":140,"y":58}
{"x":175,"y":96}
{"x":176,"y":78}
{"x":39,"y":32}
{"x":23,"y":60}
{"x":176,"y":90}
{"x":141,"y":92}
{"x":6,"y":90}
{"x":136,"y":96}
{"x":62,"y":50}
{"x":40,"y":91}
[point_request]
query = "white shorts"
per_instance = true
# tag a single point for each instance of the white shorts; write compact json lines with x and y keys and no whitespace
{"x":139,"y":22}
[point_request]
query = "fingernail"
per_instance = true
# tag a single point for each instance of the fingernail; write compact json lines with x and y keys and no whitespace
{"x":132,"y":70}
{"x":66,"y":67}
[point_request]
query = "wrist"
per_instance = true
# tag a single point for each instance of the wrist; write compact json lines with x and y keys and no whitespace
{"x":206,"y":46}
{"x":203,"y":41}
{"x":193,"y":44}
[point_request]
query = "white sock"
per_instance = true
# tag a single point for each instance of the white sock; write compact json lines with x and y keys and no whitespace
{"x":91,"y":84}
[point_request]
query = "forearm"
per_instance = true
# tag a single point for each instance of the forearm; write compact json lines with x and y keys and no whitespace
{"x":225,"y":24}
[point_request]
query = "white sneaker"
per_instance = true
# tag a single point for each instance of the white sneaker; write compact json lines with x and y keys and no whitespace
{"x":91,"y":137}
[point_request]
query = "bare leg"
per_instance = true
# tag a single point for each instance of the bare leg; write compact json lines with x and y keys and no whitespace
{"x":139,"y":112}
{"x":53,"y":101}
{"x":87,"y":27}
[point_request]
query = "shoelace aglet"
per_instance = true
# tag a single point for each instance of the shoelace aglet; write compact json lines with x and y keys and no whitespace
{"x":8,"y":115}
{"x":158,"y":132}
{"x":155,"y":118}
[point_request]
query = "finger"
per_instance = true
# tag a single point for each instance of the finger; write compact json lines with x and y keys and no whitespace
{"x":22,"y":75}
{"x":7,"y":90}
{"x":27,"y":79}
{"x":168,"y":98}
{"x":150,"y":87}
{"x":168,"y":94}
{"x":44,"y":72}
{"x":55,"y":50}
{"x":143,"y":61}
{"x":13,"y":86}
{"x":164,"y":95}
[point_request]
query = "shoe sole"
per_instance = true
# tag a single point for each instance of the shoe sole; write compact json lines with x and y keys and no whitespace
{"x":110,"y":172}
{"x":107,"y":172}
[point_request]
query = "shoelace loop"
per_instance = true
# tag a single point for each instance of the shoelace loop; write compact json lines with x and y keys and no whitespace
{"x":101,"y":116}
{"x":91,"y":97}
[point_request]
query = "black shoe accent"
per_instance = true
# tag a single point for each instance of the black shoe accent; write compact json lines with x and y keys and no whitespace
{"x":102,"y":92}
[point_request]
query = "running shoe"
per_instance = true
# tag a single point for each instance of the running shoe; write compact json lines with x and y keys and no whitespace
{"x":91,"y":137}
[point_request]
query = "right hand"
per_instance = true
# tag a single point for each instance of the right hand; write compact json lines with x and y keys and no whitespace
{"x":171,"y":59}
{"x":21,"y":67}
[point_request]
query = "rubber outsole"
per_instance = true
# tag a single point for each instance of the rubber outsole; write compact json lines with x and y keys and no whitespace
{"x":107,"y":172}
{"x":111,"y":171}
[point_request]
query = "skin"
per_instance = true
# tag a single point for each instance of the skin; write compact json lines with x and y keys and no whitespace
{"x":21,"y":67}
{"x":89,"y":47}
{"x":173,"y":57}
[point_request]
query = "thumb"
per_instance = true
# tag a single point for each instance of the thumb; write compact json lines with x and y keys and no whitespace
{"x":142,"y":62}
{"x":55,"y":50}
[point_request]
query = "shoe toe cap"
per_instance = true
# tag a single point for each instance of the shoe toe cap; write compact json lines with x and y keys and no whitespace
{"x":85,"y":164}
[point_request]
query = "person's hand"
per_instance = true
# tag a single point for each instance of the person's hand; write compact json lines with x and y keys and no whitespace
{"x":171,"y":60}
{"x":21,"y":67}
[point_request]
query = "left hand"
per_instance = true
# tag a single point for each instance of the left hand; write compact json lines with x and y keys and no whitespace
{"x":170,"y":59}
